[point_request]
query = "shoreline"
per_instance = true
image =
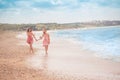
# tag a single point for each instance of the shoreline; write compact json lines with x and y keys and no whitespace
{"x":82,"y":62}
{"x":96,"y":54}
{"x":91,"y":48}
{"x":65,"y":61}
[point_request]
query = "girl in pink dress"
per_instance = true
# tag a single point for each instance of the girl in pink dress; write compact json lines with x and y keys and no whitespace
{"x":46,"y":40}
{"x":30,"y":37}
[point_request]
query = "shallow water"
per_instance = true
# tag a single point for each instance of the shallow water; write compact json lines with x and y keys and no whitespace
{"x":69,"y":63}
{"x":104,"y":40}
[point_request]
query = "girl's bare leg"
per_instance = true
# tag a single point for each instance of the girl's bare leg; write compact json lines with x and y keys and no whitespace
{"x":46,"y":49}
{"x":31,"y":48}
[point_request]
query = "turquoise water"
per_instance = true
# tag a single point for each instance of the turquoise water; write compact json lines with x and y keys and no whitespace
{"x":105,"y":40}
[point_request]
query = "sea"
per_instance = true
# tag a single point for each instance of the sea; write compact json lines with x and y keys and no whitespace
{"x":104,"y":41}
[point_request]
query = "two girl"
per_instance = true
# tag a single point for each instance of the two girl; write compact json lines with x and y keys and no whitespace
{"x":45,"y":37}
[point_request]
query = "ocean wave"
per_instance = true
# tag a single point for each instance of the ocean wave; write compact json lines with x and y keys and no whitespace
{"x":103,"y":40}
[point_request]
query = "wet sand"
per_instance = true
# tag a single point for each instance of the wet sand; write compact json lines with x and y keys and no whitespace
{"x":65,"y":61}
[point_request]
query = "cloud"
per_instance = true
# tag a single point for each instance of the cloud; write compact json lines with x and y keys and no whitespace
{"x":56,"y":2}
{"x":110,"y":3}
{"x":60,"y":11}
{"x":51,"y":4}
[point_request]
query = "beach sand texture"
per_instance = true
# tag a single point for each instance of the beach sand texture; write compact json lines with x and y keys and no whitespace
{"x":65,"y":61}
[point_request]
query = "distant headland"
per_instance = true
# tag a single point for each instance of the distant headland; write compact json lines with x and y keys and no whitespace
{"x":56,"y":26}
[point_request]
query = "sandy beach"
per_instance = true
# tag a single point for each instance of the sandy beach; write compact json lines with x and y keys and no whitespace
{"x":65,"y":61}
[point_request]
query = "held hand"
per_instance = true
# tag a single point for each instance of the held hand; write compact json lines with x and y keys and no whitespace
{"x":36,"y":39}
{"x":40,"y":37}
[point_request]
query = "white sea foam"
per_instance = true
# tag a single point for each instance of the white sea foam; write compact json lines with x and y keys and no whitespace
{"x":104,"y":41}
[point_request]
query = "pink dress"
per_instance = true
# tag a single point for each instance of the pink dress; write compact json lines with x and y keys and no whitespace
{"x":29,"y":39}
{"x":45,"y":40}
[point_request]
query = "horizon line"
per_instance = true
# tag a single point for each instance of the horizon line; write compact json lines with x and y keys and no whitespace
{"x":58,"y":22}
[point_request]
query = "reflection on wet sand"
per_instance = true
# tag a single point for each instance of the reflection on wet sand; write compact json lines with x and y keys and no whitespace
{"x":70,"y":59}
{"x":37,"y":61}
{"x":45,"y":62}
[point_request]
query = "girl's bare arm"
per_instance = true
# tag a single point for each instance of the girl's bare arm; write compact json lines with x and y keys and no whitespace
{"x":34,"y":36}
{"x":42,"y":36}
{"x":49,"y":38}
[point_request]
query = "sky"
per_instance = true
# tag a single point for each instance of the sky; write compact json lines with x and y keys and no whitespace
{"x":58,"y":11}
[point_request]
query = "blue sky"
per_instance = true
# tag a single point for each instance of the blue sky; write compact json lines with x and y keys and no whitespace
{"x":59,"y":11}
